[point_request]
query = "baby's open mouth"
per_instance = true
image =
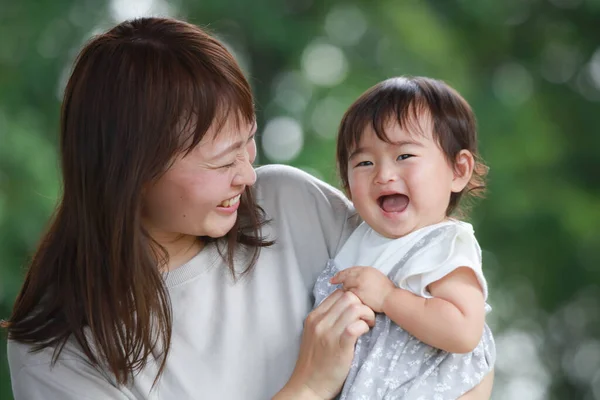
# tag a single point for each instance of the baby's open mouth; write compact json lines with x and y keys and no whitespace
{"x":393,"y":203}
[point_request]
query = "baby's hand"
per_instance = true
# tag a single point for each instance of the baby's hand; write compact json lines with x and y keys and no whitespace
{"x":368,"y":283}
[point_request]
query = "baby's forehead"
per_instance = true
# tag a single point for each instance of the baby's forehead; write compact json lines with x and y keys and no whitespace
{"x":414,"y":128}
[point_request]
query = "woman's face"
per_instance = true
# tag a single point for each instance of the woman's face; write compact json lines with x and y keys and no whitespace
{"x":199,"y":194}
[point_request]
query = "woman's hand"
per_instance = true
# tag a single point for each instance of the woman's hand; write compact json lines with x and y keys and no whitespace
{"x":330,"y":333}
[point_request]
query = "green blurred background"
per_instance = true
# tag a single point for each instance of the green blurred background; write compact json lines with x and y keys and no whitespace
{"x":530,"y":69}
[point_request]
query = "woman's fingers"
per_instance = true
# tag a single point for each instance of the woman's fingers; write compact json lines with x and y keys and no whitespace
{"x":343,"y":306}
{"x":339,"y":321}
{"x":328,"y":302}
{"x":337,"y":313}
{"x":351,"y":311}
{"x":327,"y":349}
{"x":353,"y":331}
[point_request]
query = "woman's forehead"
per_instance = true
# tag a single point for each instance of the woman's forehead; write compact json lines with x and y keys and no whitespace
{"x":230,"y":133}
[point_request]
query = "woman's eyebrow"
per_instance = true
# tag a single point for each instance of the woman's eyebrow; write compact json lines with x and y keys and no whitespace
{"x":236,"y":145}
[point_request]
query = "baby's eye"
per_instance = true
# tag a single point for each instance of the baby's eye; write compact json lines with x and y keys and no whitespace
{"x":405,"y":156}
{"x":364,"y":164}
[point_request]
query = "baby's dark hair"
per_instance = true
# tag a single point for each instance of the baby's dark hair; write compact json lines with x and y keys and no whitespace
{"x":407,"y":99}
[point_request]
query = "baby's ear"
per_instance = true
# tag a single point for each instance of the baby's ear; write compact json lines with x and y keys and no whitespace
{"x":463,"y":170}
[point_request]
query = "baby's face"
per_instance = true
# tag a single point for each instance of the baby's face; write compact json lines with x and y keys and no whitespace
{"x":401,"y":186}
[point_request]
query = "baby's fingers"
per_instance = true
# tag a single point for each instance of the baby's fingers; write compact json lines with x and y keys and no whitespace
{"x":344,"y":276}
{"x":338,"y":278}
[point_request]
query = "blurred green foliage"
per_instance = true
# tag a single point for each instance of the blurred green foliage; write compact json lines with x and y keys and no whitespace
{"x":530,"y":69}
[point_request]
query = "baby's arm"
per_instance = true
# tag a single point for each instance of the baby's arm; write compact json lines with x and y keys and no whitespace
{"x":452,"y":320}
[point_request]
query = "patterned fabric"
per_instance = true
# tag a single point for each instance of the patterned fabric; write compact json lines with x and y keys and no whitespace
{"x":389,"y":363}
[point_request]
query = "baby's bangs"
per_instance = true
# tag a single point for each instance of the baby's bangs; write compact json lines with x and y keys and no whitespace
{"x":409,"y":113}
{"x":383,"y":105}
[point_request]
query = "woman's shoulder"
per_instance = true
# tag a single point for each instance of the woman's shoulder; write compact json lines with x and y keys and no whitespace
{"x":297,"y":186}
{"x":23,"y":355}
{"x":287,"y":175}
{"x":299,"y":200}
{"x":37,"y":374}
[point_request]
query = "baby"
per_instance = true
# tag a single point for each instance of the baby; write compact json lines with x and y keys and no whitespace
{"x":407,"y":155}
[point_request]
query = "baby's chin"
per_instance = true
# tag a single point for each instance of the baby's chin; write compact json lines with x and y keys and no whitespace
{"x":392,"y":232}
{"x":400,"y":230}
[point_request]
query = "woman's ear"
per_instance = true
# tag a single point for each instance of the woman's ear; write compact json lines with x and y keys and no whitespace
{"x":463,"y":170}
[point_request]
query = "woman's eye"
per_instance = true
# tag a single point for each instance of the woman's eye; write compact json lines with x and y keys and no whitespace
{"x":228,"y":165}
{"x":404,"y":156}
{"x":364,"y":164}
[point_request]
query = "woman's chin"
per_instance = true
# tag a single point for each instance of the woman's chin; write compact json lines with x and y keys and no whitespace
{"x":217,"y":232}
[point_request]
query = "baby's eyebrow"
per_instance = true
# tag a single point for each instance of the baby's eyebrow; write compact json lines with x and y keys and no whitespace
{"x":407,"y":142}
{"x":400,"y":143}
{"x":357,"y":151}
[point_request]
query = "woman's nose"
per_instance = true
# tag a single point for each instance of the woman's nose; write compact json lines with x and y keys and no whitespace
{"x":246,"y":175}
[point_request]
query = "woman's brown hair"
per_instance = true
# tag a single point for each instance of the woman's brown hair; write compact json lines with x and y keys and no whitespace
{"x":133,"y":92}
{"x":405,"y":100}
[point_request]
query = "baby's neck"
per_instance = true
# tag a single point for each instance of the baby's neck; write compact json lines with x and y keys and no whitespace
{"x":416,"y":229}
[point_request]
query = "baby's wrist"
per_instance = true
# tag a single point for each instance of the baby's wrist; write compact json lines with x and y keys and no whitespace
{"x":387,"y":298}
{"x":396,"y":299}
{"x":297,"y":392}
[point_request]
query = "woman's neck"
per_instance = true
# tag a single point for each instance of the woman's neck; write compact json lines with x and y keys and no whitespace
{"x":180,"y":248}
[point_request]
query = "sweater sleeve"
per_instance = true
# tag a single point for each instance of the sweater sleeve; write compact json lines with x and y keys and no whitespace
{"x":35,"y":377}
{"x":309,"y":219}
{"x":307,"y":203}
{"x":64,"y":380}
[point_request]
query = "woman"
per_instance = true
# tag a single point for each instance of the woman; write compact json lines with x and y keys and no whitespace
{"x":148,"y":283}
{"x":163,"y":274}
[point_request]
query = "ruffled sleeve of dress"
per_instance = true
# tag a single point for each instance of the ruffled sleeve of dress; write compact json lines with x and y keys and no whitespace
{"x":454,"y":247}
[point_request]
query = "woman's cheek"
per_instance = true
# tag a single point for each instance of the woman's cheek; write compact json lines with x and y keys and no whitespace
{"x":252,"y":151}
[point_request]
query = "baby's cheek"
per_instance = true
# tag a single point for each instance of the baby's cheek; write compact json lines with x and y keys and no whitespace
{"x":358,"y":192}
